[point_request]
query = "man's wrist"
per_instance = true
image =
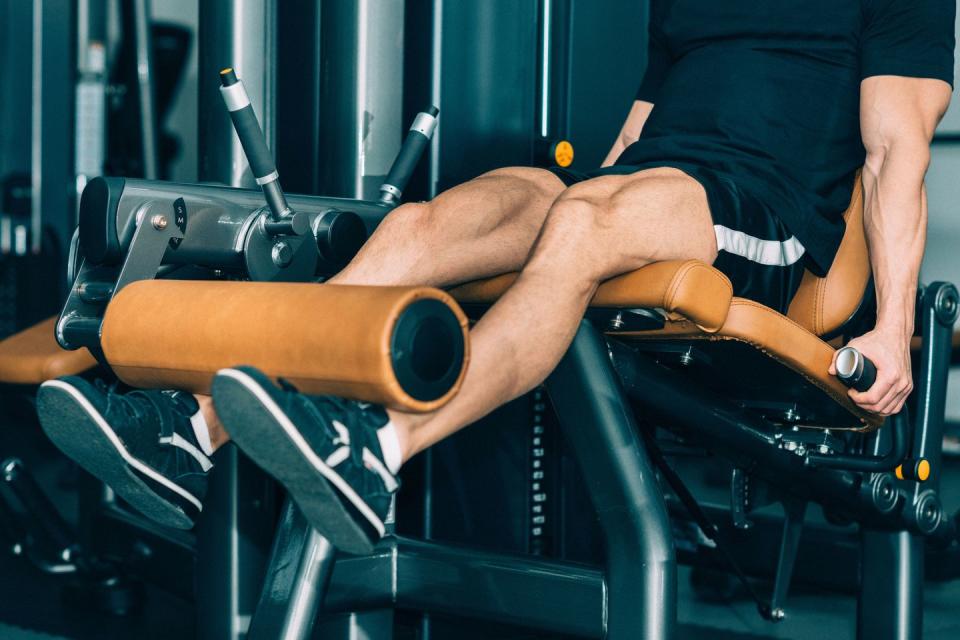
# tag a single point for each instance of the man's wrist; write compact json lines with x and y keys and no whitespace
{"x":894,"y":326}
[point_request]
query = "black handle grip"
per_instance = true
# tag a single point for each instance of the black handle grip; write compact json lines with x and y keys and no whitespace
{"x":255,"y":148}
{"x":855,"y":370}
{"x":247,"y":126}
{"x":253,"y":142}
{"x":410,"y":153}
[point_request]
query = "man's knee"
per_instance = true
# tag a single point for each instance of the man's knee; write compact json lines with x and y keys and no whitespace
{"x":582,"y":209}
{"x":412,"y":215}
{"x":592,"y":218}
{"x":539,"y":183}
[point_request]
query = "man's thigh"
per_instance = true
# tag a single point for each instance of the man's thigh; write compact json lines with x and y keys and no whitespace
{"x":648,"y":216}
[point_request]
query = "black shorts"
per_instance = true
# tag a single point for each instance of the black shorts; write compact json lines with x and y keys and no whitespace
{"x":763,"y":260}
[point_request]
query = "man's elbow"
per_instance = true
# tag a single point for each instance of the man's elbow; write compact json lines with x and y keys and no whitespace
{"x":907,"y":149}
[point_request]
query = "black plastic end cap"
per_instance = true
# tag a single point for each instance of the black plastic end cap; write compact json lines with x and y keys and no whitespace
{"x":434,"y":111}
{"x":228,"y":77}
{"x":99,"y":242}
{"x":340,"y":234}
{"x":427,"y":349}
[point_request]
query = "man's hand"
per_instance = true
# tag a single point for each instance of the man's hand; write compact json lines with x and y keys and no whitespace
{"x":889,"y":350}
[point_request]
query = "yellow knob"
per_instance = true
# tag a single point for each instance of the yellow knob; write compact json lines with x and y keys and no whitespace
{"x":923,"y":470}
{"x":563,"y":153}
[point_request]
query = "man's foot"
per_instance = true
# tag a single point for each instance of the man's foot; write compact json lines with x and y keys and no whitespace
{"x":141,"y":444}
{"x":324,"y":450}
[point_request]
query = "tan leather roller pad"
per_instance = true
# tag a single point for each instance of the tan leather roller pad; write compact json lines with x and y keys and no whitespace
{"x":325,"y":339}
{"x":778,"y":337}
{"x":687,"y":287}
{"x":33,"y":356}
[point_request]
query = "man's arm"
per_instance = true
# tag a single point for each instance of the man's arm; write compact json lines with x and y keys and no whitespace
{"x":630,"y":131}
{"x":898,"y":116}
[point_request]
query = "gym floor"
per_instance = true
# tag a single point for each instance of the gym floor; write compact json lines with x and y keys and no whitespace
{"x":32,"y":607}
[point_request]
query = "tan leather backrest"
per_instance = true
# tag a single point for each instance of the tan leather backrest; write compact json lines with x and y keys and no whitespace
{"x":822,"y":305}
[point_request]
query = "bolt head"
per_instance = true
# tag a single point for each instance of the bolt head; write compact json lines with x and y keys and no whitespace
{"x":159,"y":222}
{"x":282,"y":254}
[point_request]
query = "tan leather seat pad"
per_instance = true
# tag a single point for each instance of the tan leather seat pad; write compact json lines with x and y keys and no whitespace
{"x":687,"y":287}
{"x":325,"y":339}
{"x":778,"y":337}
{"x":33,"y":356}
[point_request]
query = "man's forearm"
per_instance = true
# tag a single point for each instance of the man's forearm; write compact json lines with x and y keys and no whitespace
{"x":895,"y":221}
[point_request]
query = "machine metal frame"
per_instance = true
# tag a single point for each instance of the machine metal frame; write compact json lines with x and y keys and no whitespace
{"x":634,"y":595}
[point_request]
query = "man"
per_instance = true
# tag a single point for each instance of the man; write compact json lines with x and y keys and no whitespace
{"x":740,"y":151}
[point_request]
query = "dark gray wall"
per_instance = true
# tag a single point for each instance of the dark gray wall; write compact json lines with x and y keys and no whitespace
{"x":607,"y":56}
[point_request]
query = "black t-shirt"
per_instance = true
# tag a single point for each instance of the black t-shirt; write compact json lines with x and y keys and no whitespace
{"x":767,"y":92}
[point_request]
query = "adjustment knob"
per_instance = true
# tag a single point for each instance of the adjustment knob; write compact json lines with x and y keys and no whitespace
{"x":553,"y":153}
{"x":339,"y":234}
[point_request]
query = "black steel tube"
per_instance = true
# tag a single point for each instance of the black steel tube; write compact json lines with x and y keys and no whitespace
{"x":899,"y":426}
{"x":11,"y":531}
{"x":725,"y":429}
{"x":410,"y":153}
{"x":937,"y":314}
{"x":550,"y":596}
{"x":598,"y":423}
{"x":51,"y":524}
{"x":890,"y":602}
{"x":300,"y":566}
{"x":555,"y":597}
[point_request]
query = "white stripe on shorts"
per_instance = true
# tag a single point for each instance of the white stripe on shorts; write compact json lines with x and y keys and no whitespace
{"x":768,"y":252}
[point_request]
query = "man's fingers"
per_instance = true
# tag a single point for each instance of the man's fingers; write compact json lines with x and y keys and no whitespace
{"x":903,"y":393}
{"x":872,"y":397}
{"x":833,"y":364}
{"x":891,"y":405}
{"x":884,"y":397}
{"x":895,"y":406}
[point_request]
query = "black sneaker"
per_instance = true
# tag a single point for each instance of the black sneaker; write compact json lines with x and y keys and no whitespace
{"x":141,"y":444}
{"x":323,"y":449}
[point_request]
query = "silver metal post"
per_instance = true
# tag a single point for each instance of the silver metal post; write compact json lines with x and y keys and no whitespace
{"x":148,"y":129}
{"x":362,"y":94}
{"x":313,"y":574}
{"x":240,"y":34}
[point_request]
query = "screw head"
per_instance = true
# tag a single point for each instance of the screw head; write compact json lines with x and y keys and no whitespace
{"x":159,"y":222}
{"x":282,"y":254}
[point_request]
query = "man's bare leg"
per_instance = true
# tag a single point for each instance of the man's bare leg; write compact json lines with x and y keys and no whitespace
{"x":594,"y":231}
{"x":481,"y":228}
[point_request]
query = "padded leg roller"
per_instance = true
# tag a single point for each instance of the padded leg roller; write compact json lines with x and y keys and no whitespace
{"x":402,"y":347}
